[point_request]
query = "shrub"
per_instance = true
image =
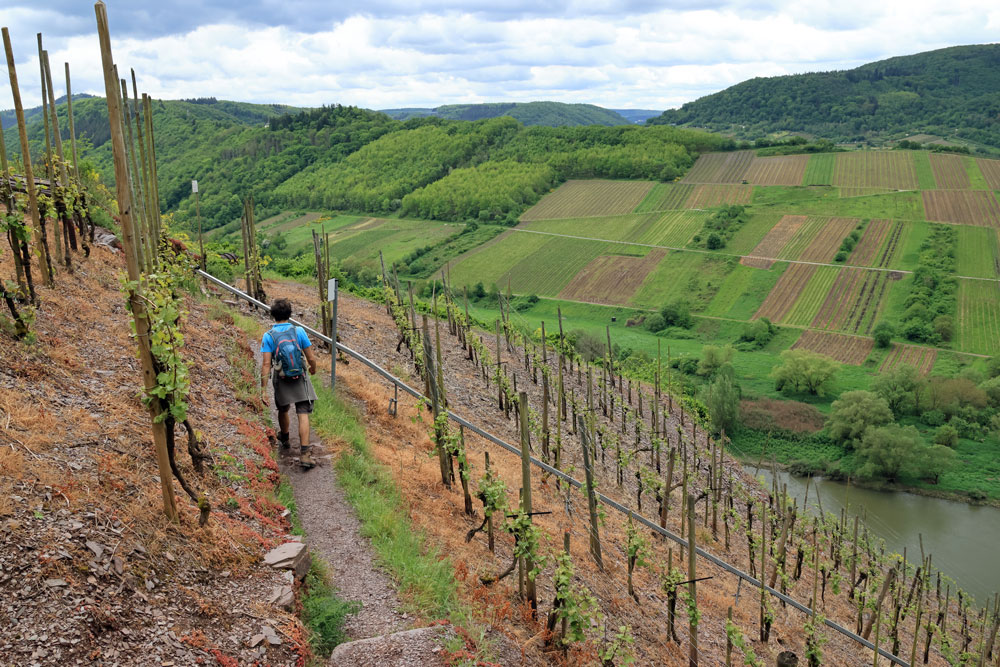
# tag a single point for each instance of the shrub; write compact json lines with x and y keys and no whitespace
{"x":655,"y":323}
{"x":840,"y":257}
{"x":802,"y":370}
{"x":713,"y":357}
{"x":714,"y":241}
{"x":677,"y":313}
{"x":883,"y":333}
{"x":946,"y":435}
{"x":854,"y":413}
{"x":932,"y":417}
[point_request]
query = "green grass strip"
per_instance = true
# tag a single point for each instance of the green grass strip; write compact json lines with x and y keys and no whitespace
{"x":925,"y":175}
{"x":425,"y":576}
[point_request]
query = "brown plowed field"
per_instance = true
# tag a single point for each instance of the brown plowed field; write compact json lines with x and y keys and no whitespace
{"x":707,"y":196}
{"x":876,"y":169}
{"x":921,"y":358}
{"x":720,"y":168}
{"x":770,"y":246}
{"x":827,"y":242}
{"x":949,"y":172}
{"x":967,"y":207}
{"x":783,"y":295}
{"x":591,"y":198}
{"x":783,"y":170}
{"x":611,"y":279}
{"x":870,"y":242}
{"x":845,"y":349}
{"x":991,"y":171}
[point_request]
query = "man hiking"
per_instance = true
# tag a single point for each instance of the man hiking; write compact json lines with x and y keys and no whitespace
{"x":289,"y":348}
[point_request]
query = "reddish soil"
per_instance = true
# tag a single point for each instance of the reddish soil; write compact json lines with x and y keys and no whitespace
{"x":949,"y":171}
{"x":921,"y":358}
{"x":782,"y":170}
{"x":968,"y":207}
{"x":612,"y":279}
{"x":845,"y":349}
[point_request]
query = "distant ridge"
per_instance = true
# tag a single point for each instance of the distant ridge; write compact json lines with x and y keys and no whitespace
{"x":952,"y":94}
{"x":552,"y":114}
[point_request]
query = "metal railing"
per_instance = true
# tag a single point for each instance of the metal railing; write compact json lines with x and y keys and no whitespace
{"x":715,"y":560}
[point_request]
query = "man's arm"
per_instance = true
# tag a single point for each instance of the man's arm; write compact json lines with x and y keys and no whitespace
{"x":265,"y":371}
{"x":311,"y":358}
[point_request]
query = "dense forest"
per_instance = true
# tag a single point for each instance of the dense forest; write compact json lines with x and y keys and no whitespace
{"x":953,"y":93}
{"x":553,"y":114}
{"x":351,"y":159}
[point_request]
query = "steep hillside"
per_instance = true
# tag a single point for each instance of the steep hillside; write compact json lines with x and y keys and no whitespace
{"x":952,"y":93}
{"x":553,"y":114}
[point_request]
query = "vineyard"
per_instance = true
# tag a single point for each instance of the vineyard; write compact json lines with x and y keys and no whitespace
{"x":784,"y":170}
{"x":710,"y":196}
{"x":578,"y":199}
{"x":949,"y":171}
{"x":991,"y":172}
{"x":811,"y":296}
{"x":875,"y":169}
{"x":786,"y":292}
{"x":855,"y":301}
{"x":845,"y":349}
{"x":921,"y":358}
{"x":665,"y":197}
{"x":611,"y":279}
{"x":978,"y":252}
{"x":967,"y":207}
{"x":720,"y":168}
{"x":979,"y":316}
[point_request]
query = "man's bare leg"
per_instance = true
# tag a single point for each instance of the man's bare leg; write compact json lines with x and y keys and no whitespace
{"x":283,"y":424}
{"x":305,"y":458}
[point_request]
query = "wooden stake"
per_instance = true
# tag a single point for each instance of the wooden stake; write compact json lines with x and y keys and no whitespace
{"x":595,"y":539}
{"x":692,"y":585}
{"x":136,"y":301}
{"x":529,"y":565}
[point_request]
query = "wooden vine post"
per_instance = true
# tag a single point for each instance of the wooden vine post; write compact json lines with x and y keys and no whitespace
{"x":38,"y":230}
{"x":136,"y":302}
{"x":595,"y":538}
{"x":692,"y":586}
{"x":529,"y":565}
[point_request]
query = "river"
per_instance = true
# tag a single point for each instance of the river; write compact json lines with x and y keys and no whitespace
{"x":964,"y":539}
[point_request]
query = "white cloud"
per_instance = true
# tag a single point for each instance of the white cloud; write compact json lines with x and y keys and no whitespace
{"x":645,"y":54}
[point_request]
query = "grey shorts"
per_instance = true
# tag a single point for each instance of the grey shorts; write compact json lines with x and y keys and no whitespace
{"x":301,"y":408}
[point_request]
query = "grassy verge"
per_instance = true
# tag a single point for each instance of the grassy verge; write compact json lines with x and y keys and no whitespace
{"x":425,"y":576}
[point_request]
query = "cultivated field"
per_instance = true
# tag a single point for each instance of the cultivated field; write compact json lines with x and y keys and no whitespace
{"x":692,"y":276}
{"x":673,"y":229}
{"x":921,"y":358}
{"x":710,"y":196}
{"x":665,"y":197}
{"x":875,"y":169}
{"x":819,"y":170}
{"x":845,"y":349}
{"x":744,"y":290}
{"x":991,"y":171}
{"x":782,"y":170}
{"x":854,"y":301}
{"x":590,"y":198}
{"x":770,"y":247}
{"x":720,"y":168}
{"x":824,"y":246}
{"x":551,"y":267}
{"x":949,"y":171}
{"x":968,"y":207}
{"x":615,"y":228}
{"x":871,"y":241}
{"x":979,"y":316}
{"x":786,"y":292}
{"x":611,"y":279}
{"x":977,"y":254}
{"x":812,"y":296}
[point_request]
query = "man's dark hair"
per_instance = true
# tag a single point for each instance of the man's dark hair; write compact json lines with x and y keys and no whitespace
{"x":281,"y":310}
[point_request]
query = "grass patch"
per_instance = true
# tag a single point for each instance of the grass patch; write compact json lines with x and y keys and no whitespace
{"x":323,"y":612}
{"x":819,"y":169}
{"x":285,"y":495}
{"x":424,"y":574}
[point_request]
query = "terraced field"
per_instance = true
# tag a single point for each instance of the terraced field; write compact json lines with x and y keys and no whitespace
{"x":967,"y":207}
{"x":875,"y":169}
{"x":979,"y":316}
{"x":991,"y":172}
{"x":673,"y":229}
{"x":978,"y":255}
{"x":824,"y":246}
{"x":803,"y":237}
{"x":845,"y":349}
{"x":710,"y":196}
{"x":873,"y":238}
{"x":591,"y":198}
{"x":855,"y":300}
{"x":770,"y":247}
{"x":812,"y":296}
{"x":786,"y":292}
{"x":949,"y":171}
{"x":611,"y":279}
{"x":720,"y":168}
{"x":551,"y":267}
{"x":665,"y":197}
{"x":921,"y":358}
{"x":782,"y":170}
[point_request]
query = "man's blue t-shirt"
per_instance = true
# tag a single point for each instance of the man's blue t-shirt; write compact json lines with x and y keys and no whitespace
{"x":267,"y":342}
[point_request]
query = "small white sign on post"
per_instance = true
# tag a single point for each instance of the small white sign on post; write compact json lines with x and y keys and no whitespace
{"x":331,"y":289}
{"x":194,"y":187}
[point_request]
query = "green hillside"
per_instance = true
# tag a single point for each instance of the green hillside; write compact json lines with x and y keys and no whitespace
{"x":952,"y":93}
{"x":552,"y":114}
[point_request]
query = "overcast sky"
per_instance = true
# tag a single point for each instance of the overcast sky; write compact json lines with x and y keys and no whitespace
{"x":398,"y":53}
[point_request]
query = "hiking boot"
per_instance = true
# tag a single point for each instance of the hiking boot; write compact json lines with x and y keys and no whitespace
{"x":283,"y":440}
{"x":306,"y":460}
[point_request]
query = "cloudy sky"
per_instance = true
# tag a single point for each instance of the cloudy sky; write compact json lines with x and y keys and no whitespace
{"x":398,"y":53}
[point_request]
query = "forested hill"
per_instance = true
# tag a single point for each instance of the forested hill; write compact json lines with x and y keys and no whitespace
{"x":553,"y":114}
{"x":346,"y":158}
{"x":952,"y":93}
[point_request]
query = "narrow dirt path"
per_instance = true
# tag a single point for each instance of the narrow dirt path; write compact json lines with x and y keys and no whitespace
{"x":333,"y":533}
